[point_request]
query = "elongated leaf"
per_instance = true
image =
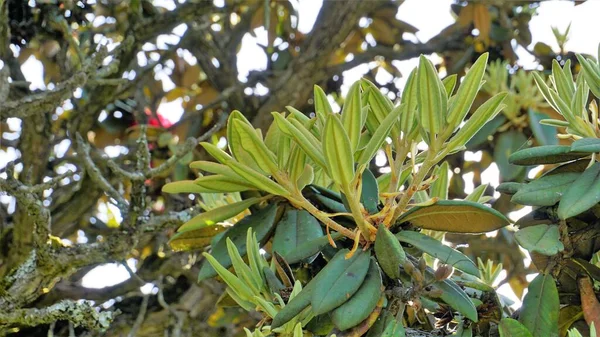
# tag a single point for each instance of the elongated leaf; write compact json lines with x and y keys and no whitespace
{"x":212,"y":167}
{"x":185,"y":186}
{"x":582,"y":195}
{"x":539,"y":313}
{"x":508,"y":143}
{"x":408,"y":114}
{"x":509,"y":188}
{"x":480,"y":117}
{"x":338,"y":152}
{"x":340,"y":280}
{"x":196,"y":238}
{"x":351,"y":115}
{"x":235,"y":142}
{"x":307,"y":249}
{"x":564,"y":86}
{"x":435,"y":248}
{"x":223,"y":183}
{"x":255,"y":146}
{"x":369,"y":195}
{"x":549,"y":154}
{"x":545,"y":191}
{"x":294,"y":229}
{"x":455,"y":297}
{"x":587,"y":145}
{"x":455,"y":216}
{"x":322,"y":106}
{"x":509,"y":327}
{"x":218,"y":214}
{"x":302,"y":139}
{"x":257,"y":179}
{"x":380,"y":106}
{"x":216,"y":153}
{"x":477,"y":194}
{"x":378,"y":137}
{"x":542,"y":239}
{"x":234,"y":283}
{"x":592,"y":76}
{"x":544,"y":134}
{"x":429,"y":98}
{"x":439,"y":188}
{"x":450,"y":84}
{"x":362,"y":303}
{"x":242,"y":271}
{"x":466,"y":92}
{"x":489,"y":129}
{"x":262,"y":222}
{"x":389,"y":252}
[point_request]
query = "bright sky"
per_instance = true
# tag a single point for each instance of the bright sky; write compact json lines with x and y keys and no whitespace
{"x":429,"y":16}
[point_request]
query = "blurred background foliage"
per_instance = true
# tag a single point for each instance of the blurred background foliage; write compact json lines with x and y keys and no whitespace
{"x":179,"y":68}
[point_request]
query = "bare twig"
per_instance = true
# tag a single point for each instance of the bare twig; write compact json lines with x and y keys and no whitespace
{"x":140,"y":318}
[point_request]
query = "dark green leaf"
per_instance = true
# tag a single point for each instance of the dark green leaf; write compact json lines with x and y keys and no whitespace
{"x":305,"y":250}
{"x":339,"y":281}
{"x":261,"y":222}
{"x":543,"y":239}
{"x":295,"y":228}
{"x":389,"y":252}
{"x":369,"y":196}
{"x":489,"y":129}
{"x":509,"y":327}
{"x":545,"y":191}
{"x":508,"y":143}
{"x":588,"y":145}
{"x":582,"y":195}
{"x":539,"y":313}
{"x":544,"y":134}
{"x":435,"y":248}
{"x":549,"y":154}
{"x":509,"y":188}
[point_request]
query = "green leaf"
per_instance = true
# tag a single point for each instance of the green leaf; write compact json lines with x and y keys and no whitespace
{"x":369,"y":195}
{"x":362,"y":303}
{"x":338,"y":152}
{"x":389,"y":252}
{"x":549,"y":154}
{"x":458,"y":216}
{"x":591,"y":74}
{"x":221,"y":183}
{"x":489,"y":129}
{"x":435,"y":248}
{"x":508,"y":143}
{"x":340,"y":279}
{"x":545,"y":191}
{"x":218,"y":214}
{"x":587,"y":145}
{"x":509,"y":188}
{"x":480,"y":117}
{"x":544,"y":134}
{"x":429,"y":97}
{"x":477,"y":194}
{"x":216,"y":153}
{"x":185,"y":186}
{"x":449,"y":84}
{"x":582,"y":195}
{"x":539,"y":313}
{"x":439,"y":188}
{"x":257,"y":179}
{"x":261,"y":222}
{"x":454,"y":296}
{"x":255,"y":146}
{"x":379,"y":136}
{"x":509,"y":327}
{"x":351,"y":115}
{"x":322,"y":106}
{"x":234,"y":283}
{"x":242,"y":271}
{"x":543,"y":239}
{"x":380,"y":107}
{"x":466,"y":93}
{"x":295,"y":228}
{"x":235,"y":142}
{"x":196,"y":238}
{"x":409,"y":103}
{"x":215,"y":168}
{"x":307,"y":249}
{"x":564,"y":86}
{"x":303,"y":138}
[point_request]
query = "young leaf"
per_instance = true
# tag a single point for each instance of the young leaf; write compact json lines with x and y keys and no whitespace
{"x":215,"y":168}
{"x":338,"y":152}
{"x":379,"y":136}
{"x":255,"y":146}
{"x":543,"y":239}
{"x":223,"y":183}
{"x":582,"y":195}
{"x":564,"y":86}
{"x":455,"y":216}
{"x":185,"y":186}
{"x":379,"y":104}
{"x":429,"y":98}
{"x":257,"y":179}
{"x":218,"y":214}
{"x":351,"y":115}
{"x":302,"y":139}
{"x":477,"y":193}
{"x":439,"y":188}
{"x":409,"y":104}
{"x":216,"y":153}
{"x":466,"y":92}
{"x":435,"y":248}
{"x":234,"y":283}
{"x":591,"y":74}
{"x":539,"y":313}
{"x":322,"y":106}
{"x":482,"y":115}
{"x":449,"y":84}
